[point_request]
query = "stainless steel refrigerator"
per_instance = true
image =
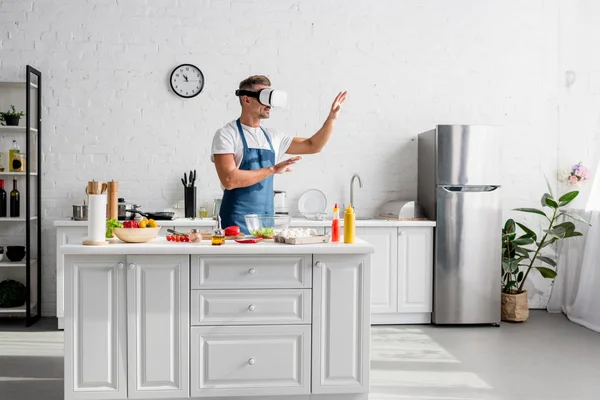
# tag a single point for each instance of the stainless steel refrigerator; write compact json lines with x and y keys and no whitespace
{"x":459,"y":188}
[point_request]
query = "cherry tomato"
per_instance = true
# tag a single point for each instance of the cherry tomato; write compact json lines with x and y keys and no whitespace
{"x":187,"y":239}
{"x":168,"y":238}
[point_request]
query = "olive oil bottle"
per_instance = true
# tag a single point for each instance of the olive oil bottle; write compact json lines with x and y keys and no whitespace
{"x":15,"y":201}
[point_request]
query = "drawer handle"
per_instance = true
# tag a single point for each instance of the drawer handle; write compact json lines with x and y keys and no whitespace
{"x":251,"y":307}
{"x":251,"y":361}
{"x":120,"y":265}
{"x":401,"y":233}
{"x":319,"y":264}
{"x":131,"y":266}
{"x":251,"y":271}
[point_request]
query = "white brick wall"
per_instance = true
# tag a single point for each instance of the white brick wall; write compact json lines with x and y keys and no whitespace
{"x":109,"y":113}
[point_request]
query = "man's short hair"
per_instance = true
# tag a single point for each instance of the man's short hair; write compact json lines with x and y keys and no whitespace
{"x":250,"y":82}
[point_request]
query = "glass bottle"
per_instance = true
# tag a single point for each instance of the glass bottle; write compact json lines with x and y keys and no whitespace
{"x":2,"y":199}
{"x":15,"y":202}
{"x":11,"y":154}
{"x":218,"y":236}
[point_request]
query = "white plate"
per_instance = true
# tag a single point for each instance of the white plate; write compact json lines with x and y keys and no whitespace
{"x":312,"y":202}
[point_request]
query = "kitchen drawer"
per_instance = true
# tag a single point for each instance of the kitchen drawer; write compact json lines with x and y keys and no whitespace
{"x":250,"y":360}
{"x":251,"y":272}
{"x":251,"y":307}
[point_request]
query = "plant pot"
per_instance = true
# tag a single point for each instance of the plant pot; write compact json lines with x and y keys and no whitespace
{"x":515,"y":307}
{"x":11,"y":120}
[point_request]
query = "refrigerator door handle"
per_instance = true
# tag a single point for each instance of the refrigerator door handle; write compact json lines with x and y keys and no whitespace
{"x":487,"y":188}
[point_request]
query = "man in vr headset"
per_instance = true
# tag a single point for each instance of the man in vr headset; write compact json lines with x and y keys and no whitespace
{"x":247,"y":155}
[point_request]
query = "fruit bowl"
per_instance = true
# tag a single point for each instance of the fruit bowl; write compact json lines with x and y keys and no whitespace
{"x":266,"y":226}
{"x":136,"y":235}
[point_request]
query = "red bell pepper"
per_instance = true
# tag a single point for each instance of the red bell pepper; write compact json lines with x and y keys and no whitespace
{"x":130,"y":224}
{"x":232,"y":231}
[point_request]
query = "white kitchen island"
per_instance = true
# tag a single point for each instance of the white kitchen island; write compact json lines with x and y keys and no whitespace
{"x":169,"y":320}
{"x":401,"y":265}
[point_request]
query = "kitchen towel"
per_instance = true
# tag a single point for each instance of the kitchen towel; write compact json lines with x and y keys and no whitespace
{"x":97,"y":218}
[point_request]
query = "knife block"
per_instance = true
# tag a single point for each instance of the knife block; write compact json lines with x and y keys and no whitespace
{"x":189,"y":197}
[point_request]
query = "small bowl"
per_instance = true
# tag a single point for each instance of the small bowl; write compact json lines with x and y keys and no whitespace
{"x":15,"y":253}
{"x":275,"y":223}
{"x":136,"y":235}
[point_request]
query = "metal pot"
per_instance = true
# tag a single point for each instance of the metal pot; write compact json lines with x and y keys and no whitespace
{"x":80,"y":212}
{"x":125,"y":209}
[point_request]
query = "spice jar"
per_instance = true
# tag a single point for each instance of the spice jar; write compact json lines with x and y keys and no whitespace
{"x":195,"y":236}
{"x":18,"y":162}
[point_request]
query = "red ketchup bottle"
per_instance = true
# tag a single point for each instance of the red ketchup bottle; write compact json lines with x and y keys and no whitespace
{"x":335,"y":224}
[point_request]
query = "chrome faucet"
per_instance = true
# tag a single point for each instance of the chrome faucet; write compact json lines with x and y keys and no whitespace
{"x":352,"y":189}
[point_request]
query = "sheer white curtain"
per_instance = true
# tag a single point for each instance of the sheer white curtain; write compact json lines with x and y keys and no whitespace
{"x":576,"y":290}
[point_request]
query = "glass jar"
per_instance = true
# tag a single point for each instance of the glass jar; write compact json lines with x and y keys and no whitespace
{"x":19,"y":163}
{"x":202,"y":212}
{"x":2,"y":161}
{"x":195,"y":236}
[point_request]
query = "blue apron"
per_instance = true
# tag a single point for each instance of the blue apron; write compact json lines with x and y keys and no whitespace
{"x":255,"y":199}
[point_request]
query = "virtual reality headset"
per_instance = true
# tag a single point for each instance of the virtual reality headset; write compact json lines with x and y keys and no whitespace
{"x":266,"y":97}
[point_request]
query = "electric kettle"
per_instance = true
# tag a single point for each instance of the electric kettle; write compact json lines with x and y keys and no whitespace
{"x":280,"y":202}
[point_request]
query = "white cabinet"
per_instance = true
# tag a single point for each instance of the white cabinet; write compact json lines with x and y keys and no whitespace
{"x":64,"y":235}
{"x":131,"y":315}
{"x":415,"y":270}
{"x":401,"y":274}
{"x":250,"y":360}
{"x":384,"y":268}
{"x":96,"y":315}
{"x":341,"y":325}
{"x":251,"y":307}
{"x":158,"y":326}
{"x":251,"y":272}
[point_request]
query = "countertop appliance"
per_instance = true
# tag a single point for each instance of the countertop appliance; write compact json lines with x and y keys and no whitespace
{"x":280,"y":202}
{"x":400,"y":210}
{"x":459,"y":187}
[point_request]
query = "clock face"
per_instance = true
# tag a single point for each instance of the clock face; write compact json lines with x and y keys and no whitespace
{"x":187,"y":80}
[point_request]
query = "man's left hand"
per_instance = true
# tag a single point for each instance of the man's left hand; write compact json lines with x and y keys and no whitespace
{"x":337,"y":105}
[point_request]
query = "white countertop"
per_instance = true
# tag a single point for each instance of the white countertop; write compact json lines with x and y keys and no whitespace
{"x":267,"y":247}
{"x":209,"y":222}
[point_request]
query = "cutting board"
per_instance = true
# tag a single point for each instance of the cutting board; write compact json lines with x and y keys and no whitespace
{"x":208,"y":236}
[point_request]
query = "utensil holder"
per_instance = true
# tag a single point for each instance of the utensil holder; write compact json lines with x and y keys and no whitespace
{"x":189,"y":196}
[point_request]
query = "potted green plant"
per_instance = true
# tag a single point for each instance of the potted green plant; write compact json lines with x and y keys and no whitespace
{"x":525,"y":252}
{"x":11,"y":117}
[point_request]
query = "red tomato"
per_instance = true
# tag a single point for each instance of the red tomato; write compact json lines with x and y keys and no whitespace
{"x":232,"y":231}
{"x":168,"y":238}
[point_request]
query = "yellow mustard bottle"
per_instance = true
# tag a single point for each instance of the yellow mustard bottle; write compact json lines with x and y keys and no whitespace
{"x":349,"y":225}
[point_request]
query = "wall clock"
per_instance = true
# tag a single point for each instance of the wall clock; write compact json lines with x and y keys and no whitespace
{"x":187,"y":80}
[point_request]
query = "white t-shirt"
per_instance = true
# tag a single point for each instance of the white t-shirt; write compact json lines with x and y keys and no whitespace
{"x":227,"y":140}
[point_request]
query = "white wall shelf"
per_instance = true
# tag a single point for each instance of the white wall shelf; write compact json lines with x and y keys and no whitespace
{"x":16,"y":310}
{"x":10,"y":264}
{"x":15,"y":129}
{"x":17,"y":83}
{"x":17,"y":173}
{"x":11,"y":219}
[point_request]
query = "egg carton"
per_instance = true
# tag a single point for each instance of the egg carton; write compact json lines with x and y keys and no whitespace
{"x":315,"y":239}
